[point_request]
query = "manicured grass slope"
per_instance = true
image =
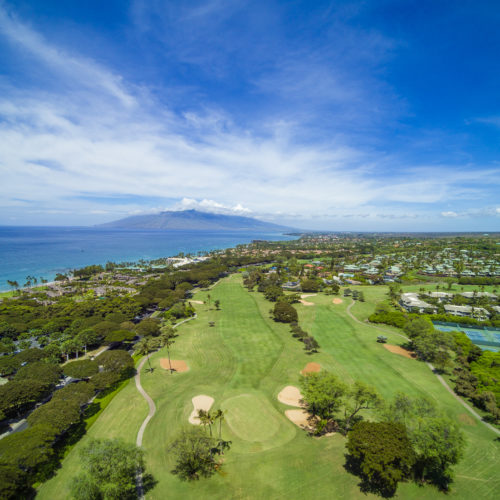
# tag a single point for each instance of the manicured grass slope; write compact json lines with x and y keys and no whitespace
{"x":243,"y":362}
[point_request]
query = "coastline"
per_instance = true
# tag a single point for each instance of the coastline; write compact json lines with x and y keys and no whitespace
{"x":46,"y":251}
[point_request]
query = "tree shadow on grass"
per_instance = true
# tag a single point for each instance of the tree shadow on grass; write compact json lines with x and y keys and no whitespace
{"x":148,"y":482}
{"x":368,"y":485}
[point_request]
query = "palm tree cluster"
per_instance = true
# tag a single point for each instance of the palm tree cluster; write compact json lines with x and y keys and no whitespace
{"x":209,"y":418}
{"x":147,"y":345}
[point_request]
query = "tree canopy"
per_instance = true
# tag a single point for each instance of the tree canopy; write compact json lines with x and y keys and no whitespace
{"x":83,"y":368}
{"x":284,"y":312}
{"x":118,"y":362}
{"x":436,"y":439}
{"x":110,"y":467}
{"x":323,"y":393}
{"x":195,"y":455}
{"x":381,"y":454}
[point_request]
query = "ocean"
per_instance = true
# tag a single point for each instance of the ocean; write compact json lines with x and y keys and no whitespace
{"x":45,"y":251}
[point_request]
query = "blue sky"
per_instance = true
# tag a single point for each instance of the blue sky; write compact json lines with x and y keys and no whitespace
{"x":368,"y":115}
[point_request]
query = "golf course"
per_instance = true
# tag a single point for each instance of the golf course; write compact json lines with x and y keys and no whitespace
{"x":243,"y":361}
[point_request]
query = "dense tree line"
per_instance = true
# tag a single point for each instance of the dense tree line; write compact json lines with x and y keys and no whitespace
{"x":31,"y":455}
{"x":310,"y":343}
{"x":384,"y":314}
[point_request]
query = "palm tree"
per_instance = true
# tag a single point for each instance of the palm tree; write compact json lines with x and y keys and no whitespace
{"x":219,"y":415}
{"x":144,"y":347}
{"x":166,"y":340}
{"x":13,"y":284}
{"x":168,"y":343}
{"x":203,"y":416}
{"x":221,"y":443}
{"x":206,"y":418}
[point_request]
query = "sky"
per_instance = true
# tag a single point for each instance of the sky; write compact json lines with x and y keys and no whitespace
{"x":331,"y":115}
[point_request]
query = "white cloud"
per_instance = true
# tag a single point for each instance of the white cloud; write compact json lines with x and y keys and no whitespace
{"x":77,"y":69}
{"x":59,"y":145}
{"x":211,"y":206}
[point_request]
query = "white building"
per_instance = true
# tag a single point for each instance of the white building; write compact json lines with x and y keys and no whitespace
{"x":476,"y":312}
{"x":412,"y":303}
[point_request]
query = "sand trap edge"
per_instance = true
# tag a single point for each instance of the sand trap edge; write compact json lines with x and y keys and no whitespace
{"x":201,"y":402}
{"x":291,"y":396}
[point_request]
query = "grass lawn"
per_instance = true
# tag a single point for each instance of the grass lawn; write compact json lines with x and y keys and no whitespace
{"x":243,"y":362}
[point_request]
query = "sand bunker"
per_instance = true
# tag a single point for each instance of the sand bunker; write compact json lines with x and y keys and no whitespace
{"x":399,"y":350}
{"x":177,"y":365}
{"x":305,"y":295}
{"x":337,"y":301}
{"x":200,"y":402}
{"x":311,"y":368}
{"x":196,"y":301}
{"x":290,"y":396}
{"x":305,"y":303}
{"x":299,"y":417}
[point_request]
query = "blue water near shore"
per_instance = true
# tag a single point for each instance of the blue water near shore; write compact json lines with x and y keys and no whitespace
{"x":46,"y":251}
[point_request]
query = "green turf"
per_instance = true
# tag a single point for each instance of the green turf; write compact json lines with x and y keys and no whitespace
{"x":243,"y":362}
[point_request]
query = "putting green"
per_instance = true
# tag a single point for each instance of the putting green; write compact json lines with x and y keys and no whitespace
{"x":250,"y":418}
{"x":253,"y":419}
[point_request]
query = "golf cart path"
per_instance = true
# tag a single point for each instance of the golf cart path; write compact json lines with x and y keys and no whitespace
{"x":147,"y":397}
{"x":152,"y":411}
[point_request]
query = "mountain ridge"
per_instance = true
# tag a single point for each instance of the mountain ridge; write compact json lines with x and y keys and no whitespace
{"x":194,"y":220}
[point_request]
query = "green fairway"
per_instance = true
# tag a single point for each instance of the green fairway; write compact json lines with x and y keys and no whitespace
{"x":243,"y":362}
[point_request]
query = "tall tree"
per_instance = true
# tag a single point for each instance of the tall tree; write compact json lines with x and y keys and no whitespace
{"x":194,"y":455}
{"x":381,"y":454}
{"x":166,"y":339}
{"x":436,"y":439}
{"x":438,"y":444}
{"x":87,"y":337}
{"x":13,"y":284}
{"x":323,"y":394}
{"x":144,"y":347}
{"x":360,"y":397}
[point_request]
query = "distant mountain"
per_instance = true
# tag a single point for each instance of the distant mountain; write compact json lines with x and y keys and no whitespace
{"x":194,"y":220}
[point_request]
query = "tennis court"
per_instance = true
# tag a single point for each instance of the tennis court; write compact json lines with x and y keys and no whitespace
{"x":487,"y":338}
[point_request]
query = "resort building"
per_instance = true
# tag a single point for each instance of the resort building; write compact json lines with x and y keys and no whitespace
{"x":412,"y":303}
{"x":476,"y":312}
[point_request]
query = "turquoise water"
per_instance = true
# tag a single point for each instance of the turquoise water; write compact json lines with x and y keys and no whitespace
{"x":46,"y":251}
